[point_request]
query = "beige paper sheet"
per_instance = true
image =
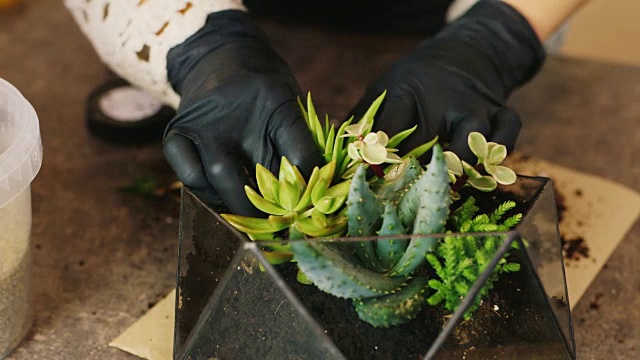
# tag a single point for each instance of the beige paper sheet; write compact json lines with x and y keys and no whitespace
{"x":602,"y":227}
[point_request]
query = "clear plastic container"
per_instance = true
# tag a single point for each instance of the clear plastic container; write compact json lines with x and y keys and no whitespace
{"x":20,"y":160}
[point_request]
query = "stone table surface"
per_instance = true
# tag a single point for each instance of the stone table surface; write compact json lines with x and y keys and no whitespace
{"x":104,"y":257}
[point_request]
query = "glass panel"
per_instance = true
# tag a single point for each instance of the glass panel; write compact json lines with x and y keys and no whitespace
{"x":522,"y":314}
{"x":340,"y":316}
{"x":251,"y":316}
{"x":540,"y":230}
{"x":513,"y":320}
{"x":206,"y":247}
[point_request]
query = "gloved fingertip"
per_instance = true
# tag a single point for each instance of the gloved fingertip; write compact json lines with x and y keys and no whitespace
{"x":460,"y":138}
{"x":506,"y":126}
{"x":183,"y":157}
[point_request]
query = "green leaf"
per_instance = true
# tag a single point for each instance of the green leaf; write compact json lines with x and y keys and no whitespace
{"x":314,"y":122}
{"x":485,"y":183}
{"x":253,"y":225}
{"x":305,"y":199}
{"x":289,"y":195}
{"x":501,"y":174}
{"x":478,"y":145}
{"x":262,"y":237}
{"x":329,"y":148}
{"x":267,"y":183}
{"x":318,"y":191}
{"x":263,"y":205}
{"x":338,"y":156}
{"x":330,"y":204}
{"x":327,"y":171}
{"x":454,"y":164}
{"x":435,"y":299}
{"x":399,"y":137}
{"x":497,"y":153}
{"x":291,"y":174}
{"x":302,"y":278}
{"x":333,"y":226}
{"x":281,"y":222}
{"x":369,"y":116}
{"x":339,"y":190}
{"x":277,"y":258}
{"x":471,"y":171}
{"x":421,"y":150}
{"x":319,"y":219}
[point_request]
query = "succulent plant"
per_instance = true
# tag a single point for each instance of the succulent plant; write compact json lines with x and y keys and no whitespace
{"x":354,"y":144}
{"x":294,"y":207}
{"x":381,"y":274}
{"x":386,"y":278}
{"x":490,"y":155}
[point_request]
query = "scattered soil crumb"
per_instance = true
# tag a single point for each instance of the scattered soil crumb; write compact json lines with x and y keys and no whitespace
{"x":560,"y":204}
{"x":574,"y":249}
{"x":593,"y":305}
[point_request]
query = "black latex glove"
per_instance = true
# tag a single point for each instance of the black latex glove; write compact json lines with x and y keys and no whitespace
{"x":457,"y":82}
{"x":238,"y":108}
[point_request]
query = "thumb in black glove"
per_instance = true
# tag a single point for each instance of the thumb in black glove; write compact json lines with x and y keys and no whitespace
{"x":457,"y":82}
{"x":238,"y":108}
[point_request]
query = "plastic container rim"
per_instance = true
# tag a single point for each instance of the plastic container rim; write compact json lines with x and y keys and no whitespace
{"x":24,"y":146}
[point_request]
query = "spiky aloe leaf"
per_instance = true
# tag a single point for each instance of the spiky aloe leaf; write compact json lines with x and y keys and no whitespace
{"x":429,"y":200}
{"x":394,"y":309}
{"x":398,"y":180}
{"x":389,"y":251}
{"x":332,"y":268}
{"x":363,"y":212}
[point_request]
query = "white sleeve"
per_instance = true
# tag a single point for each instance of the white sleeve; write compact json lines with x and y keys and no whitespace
{"x":133,"y":37}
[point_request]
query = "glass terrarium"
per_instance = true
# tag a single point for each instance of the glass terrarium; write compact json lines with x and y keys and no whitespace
{"x":232,"y":303}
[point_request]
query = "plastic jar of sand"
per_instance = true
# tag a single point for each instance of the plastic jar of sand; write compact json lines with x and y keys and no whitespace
{"x":20,"y":160}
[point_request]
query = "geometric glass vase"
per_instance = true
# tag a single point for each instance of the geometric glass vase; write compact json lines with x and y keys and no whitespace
{"x":231,"y":303}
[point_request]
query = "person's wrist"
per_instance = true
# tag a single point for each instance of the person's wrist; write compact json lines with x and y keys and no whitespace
{"x":493,"y":43}
{"x":221,"y":28}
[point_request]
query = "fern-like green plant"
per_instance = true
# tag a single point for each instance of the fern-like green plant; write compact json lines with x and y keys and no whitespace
{"x":460,"y":260}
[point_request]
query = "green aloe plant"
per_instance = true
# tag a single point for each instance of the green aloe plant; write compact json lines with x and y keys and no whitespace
{"x":381,"y":276}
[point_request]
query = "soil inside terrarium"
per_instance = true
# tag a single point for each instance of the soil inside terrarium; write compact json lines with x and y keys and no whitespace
{"x":512,"y":319}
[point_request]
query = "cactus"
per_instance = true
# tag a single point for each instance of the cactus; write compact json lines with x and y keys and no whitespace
{"x":379,"y":275}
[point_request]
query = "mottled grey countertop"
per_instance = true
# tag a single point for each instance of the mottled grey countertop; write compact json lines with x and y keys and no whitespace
{"x":103,"y":258}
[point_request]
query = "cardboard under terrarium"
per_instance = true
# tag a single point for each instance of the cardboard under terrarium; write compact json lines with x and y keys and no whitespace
{"x":232,"y":304}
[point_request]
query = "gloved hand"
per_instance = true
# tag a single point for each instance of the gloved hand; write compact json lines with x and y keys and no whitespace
{"x":457,"y":82}
{"x":238,"y":108}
